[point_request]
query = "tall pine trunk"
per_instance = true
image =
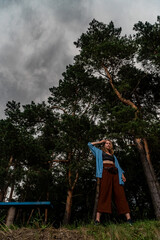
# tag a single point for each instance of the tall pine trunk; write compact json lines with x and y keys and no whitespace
{"x":67,"y":214}
{"x":151,"y":178}
{"x":143,"y":149}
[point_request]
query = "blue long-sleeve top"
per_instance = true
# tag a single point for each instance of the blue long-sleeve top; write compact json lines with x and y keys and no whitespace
{"x":99,"y":163}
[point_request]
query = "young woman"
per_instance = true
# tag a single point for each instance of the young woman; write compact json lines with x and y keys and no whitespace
{"x":112,"y":180}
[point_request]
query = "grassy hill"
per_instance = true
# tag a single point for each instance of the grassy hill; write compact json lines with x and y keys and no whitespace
{"x":146,"y":230}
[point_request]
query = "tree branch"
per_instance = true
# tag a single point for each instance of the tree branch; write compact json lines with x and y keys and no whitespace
{"x":122,"y":99}
{"x":58,"y":160}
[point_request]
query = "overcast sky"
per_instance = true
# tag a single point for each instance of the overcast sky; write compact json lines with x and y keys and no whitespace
{"x":36,"y":39}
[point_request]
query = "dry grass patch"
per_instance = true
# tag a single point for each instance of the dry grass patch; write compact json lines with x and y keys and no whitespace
{"x":43,"y":234}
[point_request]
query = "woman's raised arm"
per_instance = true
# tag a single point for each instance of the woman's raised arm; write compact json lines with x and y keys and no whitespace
{"x":102,"y":141}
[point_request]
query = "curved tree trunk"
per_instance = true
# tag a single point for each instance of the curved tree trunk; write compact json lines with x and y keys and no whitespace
{"x":151,"y":178}
{"x":142,"y":146}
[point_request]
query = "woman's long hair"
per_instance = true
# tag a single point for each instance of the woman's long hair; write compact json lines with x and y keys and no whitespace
{"x":111,"y":151}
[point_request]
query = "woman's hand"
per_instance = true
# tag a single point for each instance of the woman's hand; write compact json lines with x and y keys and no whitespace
{"x":123,"y":178}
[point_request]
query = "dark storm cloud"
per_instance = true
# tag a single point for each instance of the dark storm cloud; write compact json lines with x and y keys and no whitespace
{"x":36,"y":45}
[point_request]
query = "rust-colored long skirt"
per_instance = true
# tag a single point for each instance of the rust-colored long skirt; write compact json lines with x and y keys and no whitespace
{"x":109,"y":185}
